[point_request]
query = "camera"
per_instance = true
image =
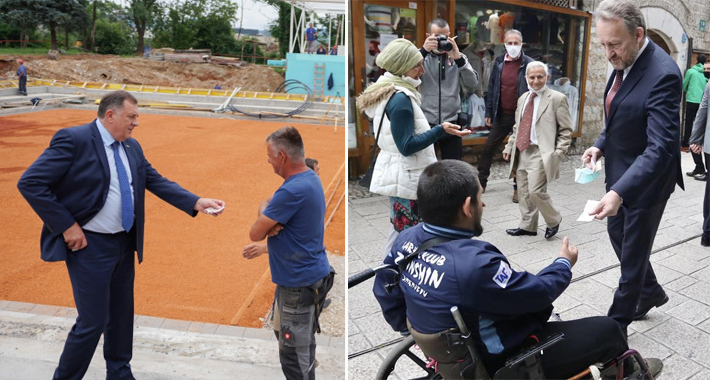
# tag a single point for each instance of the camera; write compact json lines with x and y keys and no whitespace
{"x":443,"y":43}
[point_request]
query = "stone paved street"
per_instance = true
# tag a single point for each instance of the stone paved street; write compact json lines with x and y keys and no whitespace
{"x":678,"y":332}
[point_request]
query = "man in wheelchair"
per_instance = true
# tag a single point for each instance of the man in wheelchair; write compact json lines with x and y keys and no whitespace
{"x":501,"y":307}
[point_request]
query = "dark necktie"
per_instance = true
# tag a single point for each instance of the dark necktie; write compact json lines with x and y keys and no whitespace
{"x":614,"y":89}
{"x":126,"y":199}
{"x":523,"y":139}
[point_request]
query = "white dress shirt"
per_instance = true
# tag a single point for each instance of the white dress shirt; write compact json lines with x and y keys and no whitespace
{"x":536,"y":104}
{"x":108,"y":220}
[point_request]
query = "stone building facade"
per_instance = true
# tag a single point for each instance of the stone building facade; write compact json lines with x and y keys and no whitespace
{"x":667,"y":21}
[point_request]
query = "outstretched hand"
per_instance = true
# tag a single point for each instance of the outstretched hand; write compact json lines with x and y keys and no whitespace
{"x":209,"y":206}
{"x":568,"y":251}
{"x":607,"y":206}
{"x":454,"y":129}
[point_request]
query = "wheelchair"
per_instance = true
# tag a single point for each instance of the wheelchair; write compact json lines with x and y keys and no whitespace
{"x":525,"y":365}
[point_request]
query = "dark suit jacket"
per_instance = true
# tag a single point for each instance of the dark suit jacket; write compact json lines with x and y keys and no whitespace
{"x":69,"y":183}
{"x":641,"y":141}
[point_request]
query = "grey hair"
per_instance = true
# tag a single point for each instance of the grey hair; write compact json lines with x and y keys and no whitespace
{"x":624,"y":10}
{"x":287,"y":140}
{"x":535,"y":64}
{"x":513,"y":31}
{"x":440,"y":22}
{"x":114,"y":101}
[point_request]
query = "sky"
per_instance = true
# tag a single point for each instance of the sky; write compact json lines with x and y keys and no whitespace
{"x":256,"y":15}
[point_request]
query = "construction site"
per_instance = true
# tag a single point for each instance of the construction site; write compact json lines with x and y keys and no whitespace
{"x":212,"y":142}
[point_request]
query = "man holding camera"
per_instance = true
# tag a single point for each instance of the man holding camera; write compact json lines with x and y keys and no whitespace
{"x":447,"y":74}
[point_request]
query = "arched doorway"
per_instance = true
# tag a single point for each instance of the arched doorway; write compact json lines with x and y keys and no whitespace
{"x":659,"y":40}
{"x":664,"y":29}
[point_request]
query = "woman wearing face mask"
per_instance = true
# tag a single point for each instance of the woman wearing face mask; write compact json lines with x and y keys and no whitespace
{"x":405,"y":138}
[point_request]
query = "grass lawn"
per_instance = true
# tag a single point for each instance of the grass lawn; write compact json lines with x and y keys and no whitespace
{"x":33,"y":51}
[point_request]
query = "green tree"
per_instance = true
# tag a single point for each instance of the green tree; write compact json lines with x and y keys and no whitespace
{"x":281,"y":28}
{"x":172,"y":27}
{"x":141,"y":10}
{"x":114,"y":38}
{"x":77,"y":21}
{"x":196,"y":24}
{"x":21,"y":15}
{"x":322,"y":27}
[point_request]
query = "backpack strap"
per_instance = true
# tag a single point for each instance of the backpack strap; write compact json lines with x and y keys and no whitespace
{"x":422,"y":247}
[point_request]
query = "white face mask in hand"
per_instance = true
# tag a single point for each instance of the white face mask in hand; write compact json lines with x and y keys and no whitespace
{"x":513,"y":50}
{"x":414,"y":82}
{"x":585,"y":175}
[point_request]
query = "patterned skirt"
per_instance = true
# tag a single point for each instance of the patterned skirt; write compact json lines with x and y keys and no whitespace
{"x":404,"y":213}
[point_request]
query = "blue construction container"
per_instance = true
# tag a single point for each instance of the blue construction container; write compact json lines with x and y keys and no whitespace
{"x":276,"y":62}
{"x":301,"y":67}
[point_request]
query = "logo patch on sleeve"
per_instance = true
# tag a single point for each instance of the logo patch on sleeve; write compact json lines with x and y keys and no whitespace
{"x":503,"y":275}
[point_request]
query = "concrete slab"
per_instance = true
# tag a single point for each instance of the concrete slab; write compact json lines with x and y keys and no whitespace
{"x":30,"y":345}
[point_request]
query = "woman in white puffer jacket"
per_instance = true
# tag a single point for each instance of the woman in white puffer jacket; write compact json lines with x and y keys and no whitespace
{"x":406,"y":140}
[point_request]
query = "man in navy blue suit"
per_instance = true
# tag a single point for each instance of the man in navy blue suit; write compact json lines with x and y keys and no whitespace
{"x":641,"y":144}
{"x":88,"y":187}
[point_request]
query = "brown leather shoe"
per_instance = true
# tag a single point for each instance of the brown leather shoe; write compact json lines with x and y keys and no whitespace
{"x":515,"y":196}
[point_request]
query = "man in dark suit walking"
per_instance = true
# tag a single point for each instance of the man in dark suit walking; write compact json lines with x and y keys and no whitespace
{"x":641,"y":144}
{"x":88,"y":187}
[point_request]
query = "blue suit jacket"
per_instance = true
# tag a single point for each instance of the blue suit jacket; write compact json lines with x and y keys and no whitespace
{"x":641,"y":141}
{"x":69,"y":183}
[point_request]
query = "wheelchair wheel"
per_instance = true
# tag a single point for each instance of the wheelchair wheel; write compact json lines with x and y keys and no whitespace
{"x":405,"y":359}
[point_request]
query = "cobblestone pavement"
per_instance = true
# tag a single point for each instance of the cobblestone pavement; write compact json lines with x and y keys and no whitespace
{"x":678,"y":332}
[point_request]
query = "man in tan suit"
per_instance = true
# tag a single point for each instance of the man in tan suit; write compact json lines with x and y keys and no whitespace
{"x":540,"y":139}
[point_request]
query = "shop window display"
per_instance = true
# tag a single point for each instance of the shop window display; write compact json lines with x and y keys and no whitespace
{"x":557,"y":39}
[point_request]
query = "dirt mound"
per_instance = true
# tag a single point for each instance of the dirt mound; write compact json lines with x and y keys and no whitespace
{"x":114,"y":69}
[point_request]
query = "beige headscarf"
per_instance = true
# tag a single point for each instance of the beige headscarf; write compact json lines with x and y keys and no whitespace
{"x":398,"y":57}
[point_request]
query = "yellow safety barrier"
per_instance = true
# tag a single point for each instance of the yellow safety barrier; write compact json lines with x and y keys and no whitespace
{"x":167,"y":90}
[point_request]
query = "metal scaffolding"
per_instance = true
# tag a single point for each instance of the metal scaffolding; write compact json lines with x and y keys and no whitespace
{"x":298,"y":27}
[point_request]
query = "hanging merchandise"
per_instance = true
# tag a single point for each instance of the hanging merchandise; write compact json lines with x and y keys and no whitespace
{"x":494,"y":27}
{"x":564,"y":86}
{"x":506,"y":23}
{"x":488,"y":60}
{"x":483,"y":35}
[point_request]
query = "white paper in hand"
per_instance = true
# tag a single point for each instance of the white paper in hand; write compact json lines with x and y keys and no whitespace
{"x":212,"y":210}
{"x":585,"y":217}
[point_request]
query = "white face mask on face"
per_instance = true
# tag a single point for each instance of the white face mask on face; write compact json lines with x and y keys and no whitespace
{"x":537,"y":91}
{"x":513,"y":50}
{"x":414,"y":82}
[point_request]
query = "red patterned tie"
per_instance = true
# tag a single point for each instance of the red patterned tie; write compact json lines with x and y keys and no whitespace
{"x":523,"y":139}
{"x":614,"y":89}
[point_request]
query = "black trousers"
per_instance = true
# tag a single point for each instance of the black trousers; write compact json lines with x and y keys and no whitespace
{"x":102,"y":277}
{"x":502,"y":127}
{"x":450,"y":147}
{"x":23,"y":85}
{"x":586,"y":341}
{"x":632,"y":232}
{"x":691,"y":109}
{"x":706,"y":205}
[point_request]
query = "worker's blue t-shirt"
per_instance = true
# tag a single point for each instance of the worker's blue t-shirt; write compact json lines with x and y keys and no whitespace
{"x":311,"y":34}
{"x":297,"y":255}
{"x":22,"y":70}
